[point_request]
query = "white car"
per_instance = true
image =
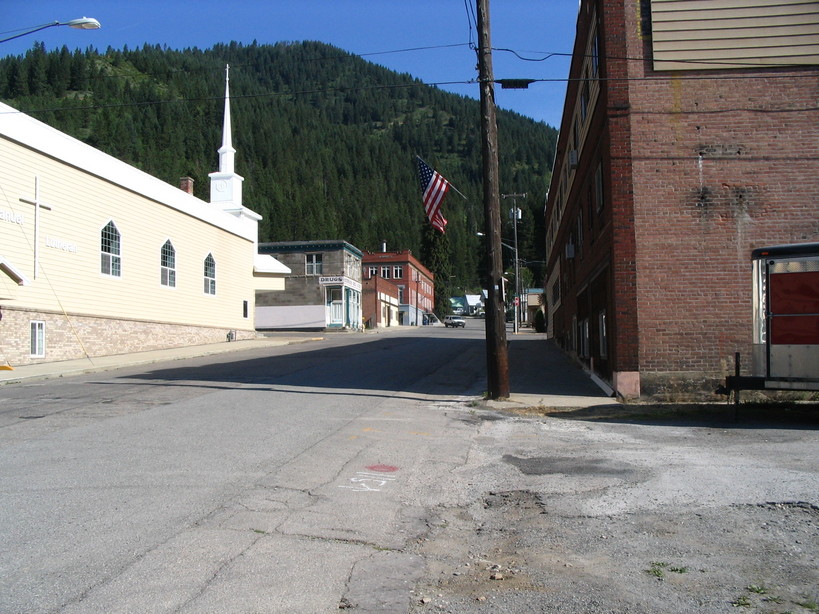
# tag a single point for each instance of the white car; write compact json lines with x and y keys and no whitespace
{"x":454,"y":321}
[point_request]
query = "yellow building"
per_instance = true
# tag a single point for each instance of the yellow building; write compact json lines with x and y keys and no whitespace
{"x":100,"y":258}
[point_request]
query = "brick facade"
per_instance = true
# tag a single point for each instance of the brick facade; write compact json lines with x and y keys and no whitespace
{"x":699,"y":168}
{"x":414,"y":284}
{"x":379,"y":302}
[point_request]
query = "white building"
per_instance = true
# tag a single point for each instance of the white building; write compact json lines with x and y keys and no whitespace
{"x":99,"y":258}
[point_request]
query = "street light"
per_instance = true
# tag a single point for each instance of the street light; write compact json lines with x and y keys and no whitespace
{"x":83,"y":23}
{"x":515,"y":212}
{"x":514,"y":249}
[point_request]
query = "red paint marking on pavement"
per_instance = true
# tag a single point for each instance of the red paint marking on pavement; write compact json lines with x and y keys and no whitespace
{"x":383,"y":468}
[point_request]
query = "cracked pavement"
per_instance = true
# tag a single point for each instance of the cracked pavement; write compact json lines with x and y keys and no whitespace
{"x":364,"y":474}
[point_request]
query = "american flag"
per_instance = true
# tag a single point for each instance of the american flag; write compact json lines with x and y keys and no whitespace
{"x":434,"y":188}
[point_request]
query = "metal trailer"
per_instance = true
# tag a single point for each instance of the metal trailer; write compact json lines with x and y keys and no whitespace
{"x":785,"y":320}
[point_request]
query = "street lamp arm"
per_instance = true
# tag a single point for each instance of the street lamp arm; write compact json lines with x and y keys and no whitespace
{"x":480,"y":234}
{"x":84,"y":23}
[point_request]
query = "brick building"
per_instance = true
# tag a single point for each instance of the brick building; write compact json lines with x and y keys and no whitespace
{"x":689,"y":137}
{"x":414,"y":282}
{"x":379,"y":302}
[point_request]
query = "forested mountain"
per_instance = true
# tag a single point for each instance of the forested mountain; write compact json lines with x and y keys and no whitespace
{"x":326,"y":141}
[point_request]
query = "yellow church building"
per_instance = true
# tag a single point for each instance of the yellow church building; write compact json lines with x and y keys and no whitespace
{"x":99,"y":258}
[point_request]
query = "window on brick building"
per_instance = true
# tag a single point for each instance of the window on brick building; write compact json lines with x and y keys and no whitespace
{"x":583,"y":338}
{"x":210,"y":275}
{"x":584,"y":98}
{"x":373,"y":271}
{"x":397,"y":272}
{"x":590,"y":214}
{"x":110,"y":261}
{"x":580,"y":234}
{"x":599,"y":196}
{"x":37,"y":338}
{"x":385,"y":272}
{"x":313,"y":264}
{"x":573,"y":336}
{"x":575,"y":137}
{"x":167,"y":268}
{"x":595,"y":54}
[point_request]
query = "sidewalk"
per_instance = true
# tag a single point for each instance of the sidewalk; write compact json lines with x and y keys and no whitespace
{"x":49,"y":370}
{"x":540,"y":374}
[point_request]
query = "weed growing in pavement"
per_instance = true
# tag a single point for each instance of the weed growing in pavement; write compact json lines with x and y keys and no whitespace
{"x":809,"y":604}
{"x":658,"y":569}
{"x":743,"y":601}
{"x":755,"y":588}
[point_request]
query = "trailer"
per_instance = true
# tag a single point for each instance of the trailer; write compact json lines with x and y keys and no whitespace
{"x":785,"y":354}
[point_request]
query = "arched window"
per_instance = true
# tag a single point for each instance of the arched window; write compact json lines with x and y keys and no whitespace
{"x":110,"y":259}
{"x":168,"y":265}
{"x":210,"y":275}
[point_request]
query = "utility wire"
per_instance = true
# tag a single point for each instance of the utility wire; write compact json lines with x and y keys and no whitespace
{"x":341,"y":89}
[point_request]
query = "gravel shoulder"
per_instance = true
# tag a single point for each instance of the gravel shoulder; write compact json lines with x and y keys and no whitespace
{"x":640,"y":509}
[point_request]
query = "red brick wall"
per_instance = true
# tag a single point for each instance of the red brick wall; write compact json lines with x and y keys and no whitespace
{"x":723,"y":162}
{"x":618,"y":170}
{"x":699,"y":169}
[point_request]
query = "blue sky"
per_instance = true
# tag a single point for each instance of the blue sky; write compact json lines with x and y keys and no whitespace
{"x":376,"y":29}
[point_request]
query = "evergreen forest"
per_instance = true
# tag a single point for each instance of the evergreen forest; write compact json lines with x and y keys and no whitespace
{"x":326,"y":142}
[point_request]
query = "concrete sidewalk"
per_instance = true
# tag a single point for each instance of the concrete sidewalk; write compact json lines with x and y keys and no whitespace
{"x":541,"y":374}
{"x":49,"y":370}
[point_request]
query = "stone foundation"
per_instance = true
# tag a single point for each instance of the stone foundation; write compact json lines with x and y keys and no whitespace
{"x":73,"y":336}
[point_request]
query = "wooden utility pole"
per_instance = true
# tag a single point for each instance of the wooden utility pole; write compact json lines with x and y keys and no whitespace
{"x":497,"y":355}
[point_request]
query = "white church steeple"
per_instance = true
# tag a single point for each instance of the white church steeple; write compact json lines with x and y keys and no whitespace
{"x":225,"y":184}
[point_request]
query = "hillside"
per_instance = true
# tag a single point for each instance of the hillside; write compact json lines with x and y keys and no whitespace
{"x":325,"y":140}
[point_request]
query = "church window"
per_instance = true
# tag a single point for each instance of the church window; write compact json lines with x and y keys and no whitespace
{"x":168,"y":265}
{"x":111,"y":263}
{"x":210,"y":275}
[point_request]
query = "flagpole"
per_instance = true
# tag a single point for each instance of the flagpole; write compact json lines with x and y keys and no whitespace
{"x":497,"y":356}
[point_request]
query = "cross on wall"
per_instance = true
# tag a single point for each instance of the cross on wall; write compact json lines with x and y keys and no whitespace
{"x":38,"y":204}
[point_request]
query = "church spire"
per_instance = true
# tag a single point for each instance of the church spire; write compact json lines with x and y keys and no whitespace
{"x":225,"y":184}
{"x":226,"y":151}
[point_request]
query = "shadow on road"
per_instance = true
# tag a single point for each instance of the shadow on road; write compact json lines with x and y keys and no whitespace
{"x":802,"y":416}
{"x":389,"y":365}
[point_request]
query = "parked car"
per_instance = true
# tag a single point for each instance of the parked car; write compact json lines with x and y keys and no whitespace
{"x":454,"y":321}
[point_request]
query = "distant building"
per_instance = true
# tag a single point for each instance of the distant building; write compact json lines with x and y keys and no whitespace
{"x":99,"y":258}
{"x":532,"y":303}
{"x":414,"y":282}
{"x":380,"y":303}
{"x":322,"y":290}
{"x":690,"y":136}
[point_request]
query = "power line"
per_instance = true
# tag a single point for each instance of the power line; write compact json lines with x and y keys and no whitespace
{"x":343,"y":89}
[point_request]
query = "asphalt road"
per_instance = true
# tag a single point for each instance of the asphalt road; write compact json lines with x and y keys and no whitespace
{"x":362,"y":472}
{"x":251,"y":482}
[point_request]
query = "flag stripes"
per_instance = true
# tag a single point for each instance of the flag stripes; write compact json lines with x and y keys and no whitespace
{"x":434,"y":187}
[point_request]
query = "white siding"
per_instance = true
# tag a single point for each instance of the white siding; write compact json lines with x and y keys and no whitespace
{"x":69,"y":278}
{"x":721,"y":34}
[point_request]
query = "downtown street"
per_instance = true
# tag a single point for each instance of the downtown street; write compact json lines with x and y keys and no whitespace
{"x":365,"y":472}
